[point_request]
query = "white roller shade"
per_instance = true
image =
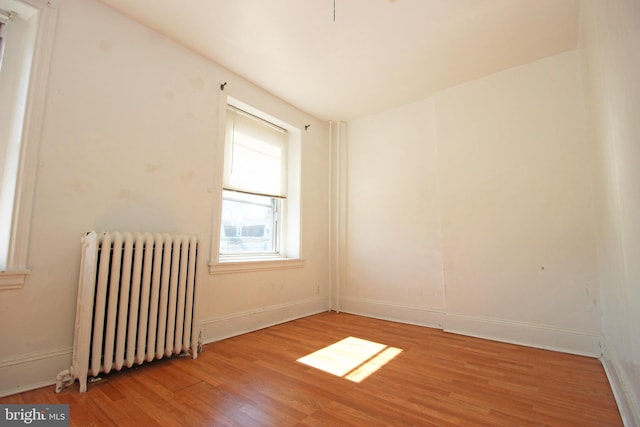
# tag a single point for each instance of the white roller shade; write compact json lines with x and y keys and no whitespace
{"x":255,"y":155}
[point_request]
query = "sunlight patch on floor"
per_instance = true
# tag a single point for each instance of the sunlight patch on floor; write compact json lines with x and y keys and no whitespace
{"x":351,"y":358}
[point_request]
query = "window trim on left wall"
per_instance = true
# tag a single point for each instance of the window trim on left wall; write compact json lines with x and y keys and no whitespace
{"x":43,"y":20}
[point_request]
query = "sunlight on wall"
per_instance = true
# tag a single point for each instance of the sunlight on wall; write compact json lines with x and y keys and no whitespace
{"x":351,"y":358}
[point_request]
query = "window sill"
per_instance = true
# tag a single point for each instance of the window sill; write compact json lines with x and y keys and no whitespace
{"x":13,"y":279}
{"x":245,"y":265}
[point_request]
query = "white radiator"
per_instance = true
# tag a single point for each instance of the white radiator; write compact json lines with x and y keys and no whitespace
{"x":135,"y":303}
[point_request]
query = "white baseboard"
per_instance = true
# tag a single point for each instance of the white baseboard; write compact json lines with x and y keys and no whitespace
{"x":394,"y":312}
{"x":628,"y":405}
{"x":32,"y":371}
{"x":521,"y":333}
{"x":219,"y":328}
{"x":37,"y":370}
{"x":567,"y":341}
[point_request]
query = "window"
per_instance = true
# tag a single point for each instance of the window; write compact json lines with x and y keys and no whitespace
{"x":26,"y":35}
{"x":260,"y":213}
{"x":3,"y":17}
{"x":249,"y":224}
{"x":254,"y":185}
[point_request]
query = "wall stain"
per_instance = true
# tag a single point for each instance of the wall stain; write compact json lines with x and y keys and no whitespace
{"x":105,"y":45}
{"x":276,"y":287}
{"x":128,"y":195}
{"x":187,"y":176}
{"x":169,"y":95}
{"x":151,"y":167}
{"x":80,"y":188}
{"x":196,"y":82}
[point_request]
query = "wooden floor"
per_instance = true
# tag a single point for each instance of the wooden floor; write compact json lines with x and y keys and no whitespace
{"x":438,"y":379}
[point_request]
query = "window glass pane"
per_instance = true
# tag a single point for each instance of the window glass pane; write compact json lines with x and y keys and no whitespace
{"x":249,"y":223}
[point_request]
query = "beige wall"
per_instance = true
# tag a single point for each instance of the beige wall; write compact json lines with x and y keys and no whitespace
{"x":472,"y":210}
{"x":393,"y":253}
{"x":129,"y":143}
{"x":519,"y":247}
{"x":610,"y":41}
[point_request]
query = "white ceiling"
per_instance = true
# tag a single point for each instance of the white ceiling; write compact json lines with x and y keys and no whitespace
{"x":376,"y":55}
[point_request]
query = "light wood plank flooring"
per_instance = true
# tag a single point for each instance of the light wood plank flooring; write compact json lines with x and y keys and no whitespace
{"x":438,"y":379}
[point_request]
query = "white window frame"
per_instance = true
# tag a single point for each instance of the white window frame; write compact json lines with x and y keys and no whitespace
{"x":290,"y":249}
{"x":41,"y":18}
{"x":278,"y":205}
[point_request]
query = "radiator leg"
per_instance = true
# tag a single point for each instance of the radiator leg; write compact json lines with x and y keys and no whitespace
{"x":196,"y":347}
{"x":64,"y":379}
